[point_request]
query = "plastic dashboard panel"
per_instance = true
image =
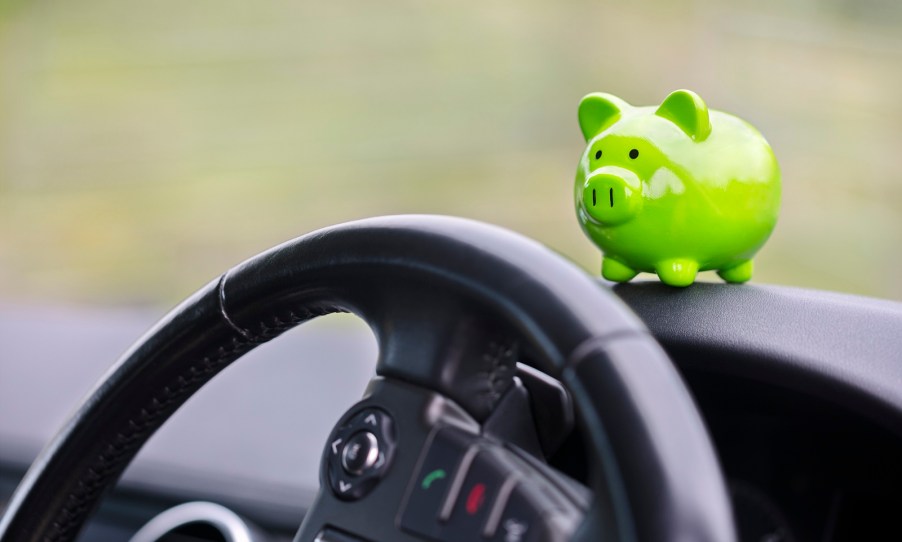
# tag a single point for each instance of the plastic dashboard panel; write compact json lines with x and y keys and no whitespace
{"x":844,"y":349}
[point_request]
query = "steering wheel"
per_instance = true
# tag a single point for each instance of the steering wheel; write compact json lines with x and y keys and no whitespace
{"x":454,"y":304}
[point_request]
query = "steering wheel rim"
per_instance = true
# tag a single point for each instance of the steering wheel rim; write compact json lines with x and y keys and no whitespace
{"x":656,"y":461}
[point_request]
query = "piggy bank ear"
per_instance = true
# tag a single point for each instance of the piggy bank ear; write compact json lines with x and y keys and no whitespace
{"x":688,"y":111}
{"x":597,"y":111}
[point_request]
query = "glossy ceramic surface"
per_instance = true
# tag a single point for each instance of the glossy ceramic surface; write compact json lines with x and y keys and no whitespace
{"x":674,"y":189}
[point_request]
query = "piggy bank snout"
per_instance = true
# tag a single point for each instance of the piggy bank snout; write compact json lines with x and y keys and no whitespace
{"x":612,"y":197}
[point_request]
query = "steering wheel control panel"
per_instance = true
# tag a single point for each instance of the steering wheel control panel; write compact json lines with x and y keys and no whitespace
{"x":360,"y":453}
{"x":469,"y":488}
{"x":407,"y":464}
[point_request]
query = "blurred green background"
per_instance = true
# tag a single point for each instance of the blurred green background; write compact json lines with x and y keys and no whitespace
{"x":145,"y":147}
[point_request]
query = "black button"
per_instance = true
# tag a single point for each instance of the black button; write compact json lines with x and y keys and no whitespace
{"x":360,"y":453}
{"x":430,"y":485}
{"x":519,"y":518}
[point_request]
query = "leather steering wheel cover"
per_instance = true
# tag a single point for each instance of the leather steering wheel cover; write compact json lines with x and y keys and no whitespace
{"x":657,"y":460}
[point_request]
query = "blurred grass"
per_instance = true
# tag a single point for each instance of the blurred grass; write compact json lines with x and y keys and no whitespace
{"x":146,"y":147}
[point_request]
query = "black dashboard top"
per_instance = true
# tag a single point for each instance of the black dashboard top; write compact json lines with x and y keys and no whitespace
{"x":842,"y":348}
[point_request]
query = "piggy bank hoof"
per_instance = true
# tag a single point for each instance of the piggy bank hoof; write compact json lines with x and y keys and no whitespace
{"x":616,"y":271}
{"x":738,"y":273}
{"x":677,"y":272}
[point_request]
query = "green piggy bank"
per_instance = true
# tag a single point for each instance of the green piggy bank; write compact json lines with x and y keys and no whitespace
{"x":674,"y":189}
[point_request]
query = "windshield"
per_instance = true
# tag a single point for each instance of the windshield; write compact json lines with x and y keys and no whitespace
{"x":147,"y":147}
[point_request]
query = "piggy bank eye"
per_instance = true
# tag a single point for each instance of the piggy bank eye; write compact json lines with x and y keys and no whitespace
{"x":634,"y":154}
{"x":598,"y":154}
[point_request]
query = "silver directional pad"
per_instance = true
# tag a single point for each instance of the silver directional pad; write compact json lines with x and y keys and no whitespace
{"x":360,"y":453}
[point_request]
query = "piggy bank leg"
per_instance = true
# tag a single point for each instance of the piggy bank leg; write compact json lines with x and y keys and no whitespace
{"x":737,"y":273}
{"x":677,"y":272}
{"x":615,"y":271}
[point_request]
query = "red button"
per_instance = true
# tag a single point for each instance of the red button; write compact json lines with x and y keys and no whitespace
{"x":475,"y":499}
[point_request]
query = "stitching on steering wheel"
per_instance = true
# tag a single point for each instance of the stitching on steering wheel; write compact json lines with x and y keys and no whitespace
{"x":161,"y":406}
{"x":125,"y":442}
{"x":289,"y":320}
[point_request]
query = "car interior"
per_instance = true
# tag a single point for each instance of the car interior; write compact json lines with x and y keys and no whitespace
{"x":429,"y":351}
{"x":460,"y":436}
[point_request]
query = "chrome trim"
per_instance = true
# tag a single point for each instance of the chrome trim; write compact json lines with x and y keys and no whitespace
{"x":232,"y":526}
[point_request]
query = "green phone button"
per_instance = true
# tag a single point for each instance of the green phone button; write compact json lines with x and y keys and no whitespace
{"x":437,"y":474}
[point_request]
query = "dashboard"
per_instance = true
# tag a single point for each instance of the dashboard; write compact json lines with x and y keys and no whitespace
{"x":800,"y":391}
